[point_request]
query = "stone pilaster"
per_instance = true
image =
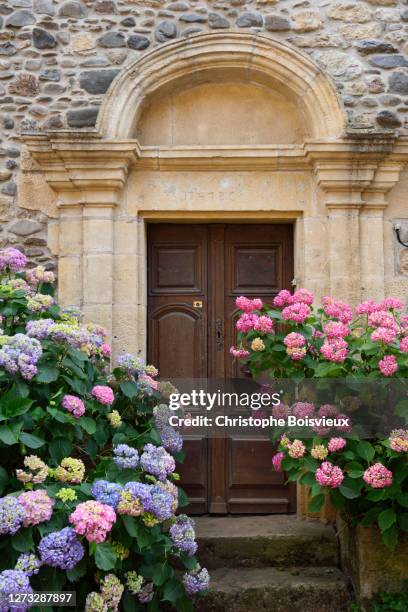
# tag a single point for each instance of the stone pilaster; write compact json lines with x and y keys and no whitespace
{"x":342,"y":184}
{"x":372,"y":230}
{"x":88,"y":179}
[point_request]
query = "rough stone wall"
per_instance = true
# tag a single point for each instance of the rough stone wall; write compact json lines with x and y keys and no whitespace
{"x":58,"y":57}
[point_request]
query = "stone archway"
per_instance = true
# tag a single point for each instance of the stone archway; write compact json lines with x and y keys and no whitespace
{"x":254,"y":57}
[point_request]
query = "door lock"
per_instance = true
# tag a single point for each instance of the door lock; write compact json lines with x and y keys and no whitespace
{"x":198,"y":304}
{"x":219,"y":334}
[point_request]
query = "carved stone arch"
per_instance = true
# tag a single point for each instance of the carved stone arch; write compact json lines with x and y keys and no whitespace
{"x":254,"y":57}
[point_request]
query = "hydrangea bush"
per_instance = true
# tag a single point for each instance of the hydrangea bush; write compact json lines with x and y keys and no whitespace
{"x":88,"y":460}
{"x":366,"y":480}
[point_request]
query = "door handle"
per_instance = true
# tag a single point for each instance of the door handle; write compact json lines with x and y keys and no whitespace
{"x":219,"y":334}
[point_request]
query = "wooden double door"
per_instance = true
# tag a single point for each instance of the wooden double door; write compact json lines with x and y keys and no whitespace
{"x":195,"y":273}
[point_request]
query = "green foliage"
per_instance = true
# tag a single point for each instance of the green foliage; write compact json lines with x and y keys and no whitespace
{"x":392,"y":602}
{"x":34,"y":421}
{"x":298,"y":342}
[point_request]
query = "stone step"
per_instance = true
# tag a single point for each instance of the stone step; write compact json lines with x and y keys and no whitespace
{"x":256,"y":541}
{"x":273,"y":590}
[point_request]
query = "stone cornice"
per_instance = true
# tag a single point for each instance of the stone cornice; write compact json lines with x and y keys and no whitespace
{"x":82,"y":167}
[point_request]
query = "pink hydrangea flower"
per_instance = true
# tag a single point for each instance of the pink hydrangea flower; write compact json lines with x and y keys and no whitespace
{"x":106,"y":349}
{"x":335,"y":445}
{"x":348,"y":427}
{"x":246,"y":322}
{"x":384,"y":334}
{"x":404,"y":344}
{"x":382,"y":318}
{"x":295,"y":346}
{"x":388,"y":365}
{"x":73,"y":404}
{"x":392,"y":303}
{"x":367,"y":307}
{"x":281,"y":411}
{"x":264,"y":325}
{"x":150,"y":381}
{"x":337,"y":309}
{"x":327,"y":410}
{"x":296,"y":354}
{"x":336,"y":329}
{"x":294,"y":340}
{"x":296,"y":449}
{"x":297,"y":312}
{"x":93,"y":520}
{"x":329,"y":475}
{"x":283,"y":298}
{"x":239,"y":353}
{"x":103,"y":394}
{"x":303,"y":409}
{"x":378,"y":476}
{"x":304,"y":296}
{"x":37,"y":505}
{"x":335,"y":350}
{"x":12,"y":259}
{"x":399,"y":440}
{"x":277,"y":461}
{"x":248,"y":305}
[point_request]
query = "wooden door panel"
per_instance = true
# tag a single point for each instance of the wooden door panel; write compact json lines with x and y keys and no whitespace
{"x":255,"y":269}
{"x":194,"y":473}
{"x":178,"y":331}
{"x":258,"y":263}
{"x":177,"y":270}
{"x":212,"y":265}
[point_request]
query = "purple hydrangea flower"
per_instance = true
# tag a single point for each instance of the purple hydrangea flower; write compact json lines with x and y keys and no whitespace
{"x":196,"y":581}
{"x":171,"y":439}
{"x":12,"y":259}
{"x":161,"y":504}
{"x":142,"y":492}
{"x":61,"y":549}
{"x":161,"y":415}
{"x":21,"y":353}
{"x":12,"y":515}
{"x":131,"y":363}
{"x":146,"y":593}
{"x":28,"y":563}
{"x":106,"y":492}
{"x":13,"y":582}
{"x":126,"y":457}
{"x":183,"y":535}
{"x":157,"y":461}
{"x":39,"y":329}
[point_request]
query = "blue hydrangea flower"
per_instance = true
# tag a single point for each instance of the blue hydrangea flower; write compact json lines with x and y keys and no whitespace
{"x":157,"y":461}
{"x":161,"y":415}
{"x":142,"y":492}
{"x":61,"y":549}
{"x":171,"y":439}
{"x":13,"y":582}
{"x":161,"y":503}
{"x":106,"y":492}
{"x":12,"y":514}
{"x":20,"y":353}
{"x":126,"y":457}
{"x":28,"y":563}
{"x":183,"y":535}
{"x":39,"y":329}
{"x":131,"y":363}
{"x":196,"y":581}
